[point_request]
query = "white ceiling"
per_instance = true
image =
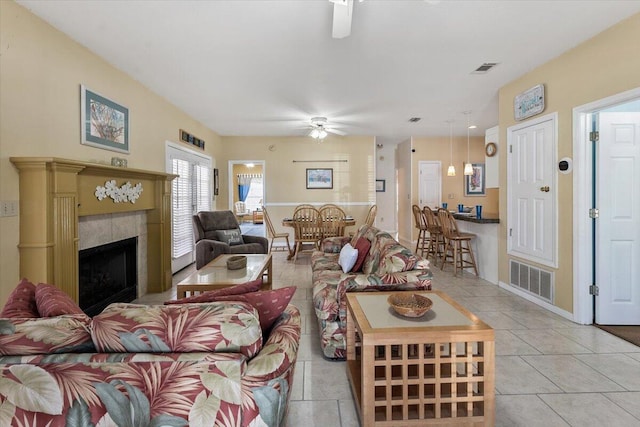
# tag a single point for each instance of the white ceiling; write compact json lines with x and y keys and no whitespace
{"x":266,"y":67}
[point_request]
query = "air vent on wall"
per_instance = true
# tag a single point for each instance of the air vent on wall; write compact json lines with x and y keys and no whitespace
{"x":484,"y":68}
{"x":532,"y":280}
{"x":415,"y":119}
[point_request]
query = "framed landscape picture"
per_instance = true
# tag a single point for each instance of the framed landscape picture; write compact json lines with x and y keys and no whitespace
{"x":319,"y":178}
{"x":104,"y":124}
{"x":474,"y":184}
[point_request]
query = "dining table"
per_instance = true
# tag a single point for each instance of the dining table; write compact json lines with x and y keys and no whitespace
{"x":288,"y":222}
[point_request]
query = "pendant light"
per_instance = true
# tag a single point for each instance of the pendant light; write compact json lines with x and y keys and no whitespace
{"x":451,"y":171}
{"x":468,"y":169}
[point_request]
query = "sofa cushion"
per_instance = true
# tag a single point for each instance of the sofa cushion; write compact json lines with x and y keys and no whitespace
{"x":53,"y":301}
{"x":347,"y":258}
{"x":231,"y":237}
{"x":60,"y":334}
{"x":270,"y":304}
{"x":21,"y":302}
{"x":363,"y":246}
{"x":210,"y":295}
{"x":215,"y":327}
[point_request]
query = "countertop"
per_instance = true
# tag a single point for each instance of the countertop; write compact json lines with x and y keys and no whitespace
{"x":490,"y":218}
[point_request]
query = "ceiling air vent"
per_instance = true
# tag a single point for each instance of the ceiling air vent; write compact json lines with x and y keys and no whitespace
{"x":415,"y":119}
{"x":484,"y":68}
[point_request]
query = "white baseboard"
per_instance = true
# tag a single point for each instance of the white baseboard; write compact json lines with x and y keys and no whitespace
{"x":552,"y":308}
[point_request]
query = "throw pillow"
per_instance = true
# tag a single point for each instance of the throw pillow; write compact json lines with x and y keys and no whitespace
{"x":230,"y":237}
{"x":21,"y":302}
{"x":270,"y":304}
{"x":347,"y":258}
{"x":52,"y":301}
{"x":362,"y":245}
{"x":210,"y":296}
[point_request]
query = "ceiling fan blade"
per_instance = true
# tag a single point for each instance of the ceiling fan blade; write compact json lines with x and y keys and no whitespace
{"x":342,"y":14}
{"x":336,"y":131}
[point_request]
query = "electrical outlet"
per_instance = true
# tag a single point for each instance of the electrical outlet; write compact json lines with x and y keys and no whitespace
{"x":452,"y":195}
{"x":8,"y":208}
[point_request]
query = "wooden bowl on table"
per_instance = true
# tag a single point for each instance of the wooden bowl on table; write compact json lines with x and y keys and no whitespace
{"x":409,"y":305}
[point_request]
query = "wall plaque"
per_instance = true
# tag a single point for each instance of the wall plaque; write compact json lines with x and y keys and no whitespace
{"x":529,"y":103}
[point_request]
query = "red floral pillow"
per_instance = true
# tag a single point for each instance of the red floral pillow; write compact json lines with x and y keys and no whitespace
{"x":21,"y":302}
{"x":210,"y":296}
{"x":362,"y":245}
{"x":52,"y":301}
{"x":270,"y":304}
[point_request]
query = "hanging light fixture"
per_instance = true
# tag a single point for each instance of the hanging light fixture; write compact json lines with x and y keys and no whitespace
{"x":468,"y":169}
{"x":451,"y":171}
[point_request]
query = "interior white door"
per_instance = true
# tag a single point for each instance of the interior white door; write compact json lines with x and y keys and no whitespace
{"x":430,"y":183}
{"x":531,"y":191}
{"x":618,"y":226}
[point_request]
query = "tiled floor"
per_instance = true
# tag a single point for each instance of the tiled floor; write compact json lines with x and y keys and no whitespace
{"x":549,"y":371}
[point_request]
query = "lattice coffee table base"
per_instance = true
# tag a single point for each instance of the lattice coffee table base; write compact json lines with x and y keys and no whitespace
{"x":438,"y":381}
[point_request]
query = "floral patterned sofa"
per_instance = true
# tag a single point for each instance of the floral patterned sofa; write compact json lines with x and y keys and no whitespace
{"x":387,"y":266}
{"x":173,"y":365}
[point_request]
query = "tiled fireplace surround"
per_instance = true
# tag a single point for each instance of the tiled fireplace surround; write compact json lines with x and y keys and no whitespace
{"x":96,"y":230}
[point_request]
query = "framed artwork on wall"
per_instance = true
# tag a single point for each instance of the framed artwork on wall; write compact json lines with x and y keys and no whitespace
{"x":103,"y":123}
{"x":474,"y":184}
{"x":319,"y":178}
{"x":380,"y":185}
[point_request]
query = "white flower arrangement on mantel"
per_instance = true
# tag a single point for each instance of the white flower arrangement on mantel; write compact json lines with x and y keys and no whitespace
{"x":126,"y":193}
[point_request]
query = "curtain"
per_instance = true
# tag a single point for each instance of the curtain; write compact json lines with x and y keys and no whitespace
{"x":244,"y":183}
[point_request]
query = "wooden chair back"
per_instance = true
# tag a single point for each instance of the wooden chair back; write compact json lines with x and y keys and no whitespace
{"x":447,"y":223}
{"x":306,"y":225}
{"x":371,"y":216}
{"x":271,"y":231}
{"x":418,"y":217}
{"x":332,"y":219}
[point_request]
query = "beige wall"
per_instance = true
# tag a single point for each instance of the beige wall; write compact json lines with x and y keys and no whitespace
{"x":437,"y":149}
{"x":285,"y":186}
{"x":41,"y":71}
{"x":605,"y":65}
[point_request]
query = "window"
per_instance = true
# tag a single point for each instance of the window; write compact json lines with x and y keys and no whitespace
{"x":191,"y":192}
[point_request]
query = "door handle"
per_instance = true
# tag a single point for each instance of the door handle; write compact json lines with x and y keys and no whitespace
{"x":544,"y":189}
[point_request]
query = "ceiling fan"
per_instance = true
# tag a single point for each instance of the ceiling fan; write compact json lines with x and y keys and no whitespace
{"x":320,"y":129}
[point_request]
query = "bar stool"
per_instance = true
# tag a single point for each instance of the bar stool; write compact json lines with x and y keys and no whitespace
{"x":457,"y":244}
{"x":421,"y":225}
{"x":436,"y":238}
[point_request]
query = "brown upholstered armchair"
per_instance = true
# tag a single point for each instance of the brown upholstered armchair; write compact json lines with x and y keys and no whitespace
{"x":218,"y":232}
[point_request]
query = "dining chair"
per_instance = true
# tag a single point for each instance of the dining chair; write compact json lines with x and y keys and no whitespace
{"x":420,"y":223}
{"x":457,"y":244}
{"x":371,"y":217}
{"x":436,"y":238}
{"x":306,"y":228}
{"x":332,"y":219}
{"x":271,"y":233}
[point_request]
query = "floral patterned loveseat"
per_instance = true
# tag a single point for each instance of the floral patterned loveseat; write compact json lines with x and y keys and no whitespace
{"x":174,"y":365}
{"x":387,"y":266}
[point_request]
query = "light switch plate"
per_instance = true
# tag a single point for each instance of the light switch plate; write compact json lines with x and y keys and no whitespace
{"x":8,"y":208}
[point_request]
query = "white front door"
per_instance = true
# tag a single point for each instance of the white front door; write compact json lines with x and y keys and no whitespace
{"x":618,"y":225}
{"x":531,"y":191}
{"x":429,"y":184}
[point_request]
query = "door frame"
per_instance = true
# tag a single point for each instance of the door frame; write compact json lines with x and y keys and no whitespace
{"x":230,"y":179}
{"x":582,"y":175}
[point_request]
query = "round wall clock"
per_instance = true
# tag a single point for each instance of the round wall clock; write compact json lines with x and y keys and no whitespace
{"x":491,"y":149}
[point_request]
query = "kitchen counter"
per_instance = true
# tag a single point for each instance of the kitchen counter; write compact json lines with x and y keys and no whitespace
{"x":485,"y":245}
{"x":490,"y":218}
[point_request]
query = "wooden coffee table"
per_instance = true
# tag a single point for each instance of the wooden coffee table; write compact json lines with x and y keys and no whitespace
{"x":434,"y":370}
{"x":215,"y":275}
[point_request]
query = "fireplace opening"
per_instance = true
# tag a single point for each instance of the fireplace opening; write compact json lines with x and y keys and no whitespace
{"x":108,"y":274}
